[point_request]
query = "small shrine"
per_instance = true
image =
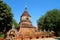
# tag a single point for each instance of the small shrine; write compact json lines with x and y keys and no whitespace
{"x":11,"y":34}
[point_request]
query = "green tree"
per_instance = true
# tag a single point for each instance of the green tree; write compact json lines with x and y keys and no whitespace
{"x":6,"y":17}
{"x":51,"y":21}
{"x":40,"y":23}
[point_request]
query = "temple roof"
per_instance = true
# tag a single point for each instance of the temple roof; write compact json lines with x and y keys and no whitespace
{"x":25,"y":13}
{"x":28,"y":26}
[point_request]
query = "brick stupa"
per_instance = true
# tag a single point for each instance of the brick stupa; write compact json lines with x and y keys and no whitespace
{"x":26,"y":30}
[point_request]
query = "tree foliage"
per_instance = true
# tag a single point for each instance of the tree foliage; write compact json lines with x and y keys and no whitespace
{"x":6,"y":17}
{"x":50,"y":21}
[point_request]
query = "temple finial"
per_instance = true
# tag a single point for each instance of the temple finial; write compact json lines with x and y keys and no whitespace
{"x":13,"y":26}
{"x":25,"y":6}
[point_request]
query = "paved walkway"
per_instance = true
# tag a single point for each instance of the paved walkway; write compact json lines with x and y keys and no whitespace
{"x":45,"y":39}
